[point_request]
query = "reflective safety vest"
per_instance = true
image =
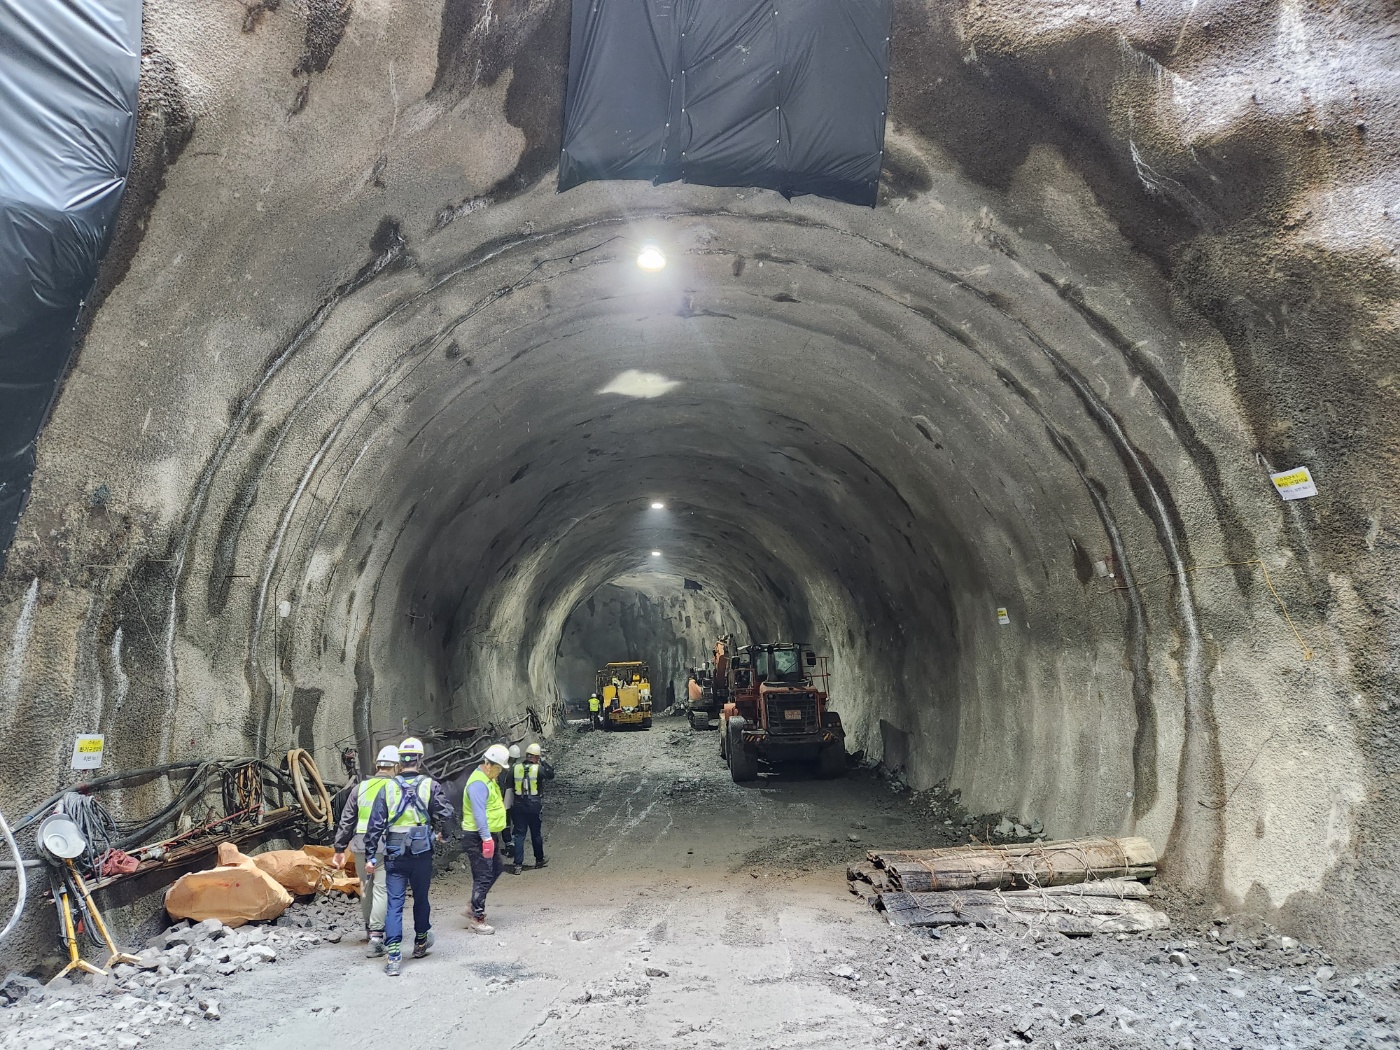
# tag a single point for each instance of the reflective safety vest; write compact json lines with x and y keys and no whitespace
{"x":414,"y":812}
{"x":527,"y":780}
{"x":593,"y":703}
{"x":495,"y":804}
{"x":368,"y":791}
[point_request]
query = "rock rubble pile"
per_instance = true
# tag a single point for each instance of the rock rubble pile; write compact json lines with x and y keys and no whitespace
{"x":1222,"y":984}
{"x":179,"y":978}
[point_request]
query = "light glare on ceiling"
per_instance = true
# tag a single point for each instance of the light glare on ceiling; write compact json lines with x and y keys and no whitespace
{"x":658,"y":505}
{"x":650,"y":258}
{"x":656,"y":554}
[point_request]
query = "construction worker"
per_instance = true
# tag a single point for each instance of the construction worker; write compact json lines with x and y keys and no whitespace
{"x":354,"y":822}
{"x":595,"y":709}
{"x":507,"y":783}
{"x":402,"y":818}
{"x":528,"y":804}
{"x":483,"y":821}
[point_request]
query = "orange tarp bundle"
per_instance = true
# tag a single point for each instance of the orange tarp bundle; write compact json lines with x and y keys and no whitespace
{"x":346,"y":879}
{"x":307,"y":870}
{"x":235,"y":892}
{"x":254,"y":889}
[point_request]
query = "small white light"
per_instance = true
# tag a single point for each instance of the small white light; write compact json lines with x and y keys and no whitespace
{"x":284,"y":609}
{"x":658,"y":506}
{"x":656,"y":554}
{"x":651,"y":259}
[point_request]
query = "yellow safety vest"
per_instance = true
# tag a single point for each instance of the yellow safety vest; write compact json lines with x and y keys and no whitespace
{"x":412,"y":816}
{"x":368,"y":791}
{"x":495,"y":804}
{"x":527,"y":777}
{"x":593,"y":703}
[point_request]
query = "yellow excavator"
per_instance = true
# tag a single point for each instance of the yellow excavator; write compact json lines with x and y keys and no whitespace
{"x":625,"y":690}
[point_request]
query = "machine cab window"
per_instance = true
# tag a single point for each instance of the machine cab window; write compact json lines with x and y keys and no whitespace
{"x":785,"y":665}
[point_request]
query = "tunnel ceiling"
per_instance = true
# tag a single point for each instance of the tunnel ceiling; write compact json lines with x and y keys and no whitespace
{"x":351,"y":352}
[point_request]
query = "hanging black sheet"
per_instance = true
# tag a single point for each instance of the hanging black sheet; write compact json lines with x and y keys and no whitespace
{"x":783,"y":94}
{"x":68,"y":77}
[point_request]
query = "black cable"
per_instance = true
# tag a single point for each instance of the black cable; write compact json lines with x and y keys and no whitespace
{"x":94,"y":823}
{"x":46,"y":807}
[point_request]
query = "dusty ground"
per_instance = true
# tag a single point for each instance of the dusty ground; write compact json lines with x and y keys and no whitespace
{"x":680,"y":909}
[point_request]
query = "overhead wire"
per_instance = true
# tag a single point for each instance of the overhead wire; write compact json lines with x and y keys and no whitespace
{"x":1175,"y":574}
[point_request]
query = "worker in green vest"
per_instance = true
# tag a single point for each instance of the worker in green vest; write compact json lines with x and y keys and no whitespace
{"x":483,"y":822}
{"x":354,"y":822}
{"x":529,"y":803}
{"x":595,"y":708}
{"x":402,"y":818}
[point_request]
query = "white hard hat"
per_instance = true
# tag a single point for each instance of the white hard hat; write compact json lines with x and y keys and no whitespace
{"x":514,"y":750}
{"x":497,"y":755}
{"x":388,"y":756}
{"x":411,"y":748}
{"x":534,"y":749}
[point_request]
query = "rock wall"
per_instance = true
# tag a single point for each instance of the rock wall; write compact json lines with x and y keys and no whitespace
{"x":352,"y":359}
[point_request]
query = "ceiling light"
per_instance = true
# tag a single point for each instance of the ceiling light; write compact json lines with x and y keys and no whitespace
{"x":650,"y":259}
{"x":658,"y":505}
{"x":656,"y":554}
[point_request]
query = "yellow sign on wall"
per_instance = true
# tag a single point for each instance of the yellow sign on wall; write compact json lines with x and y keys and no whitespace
{"x":1294,"y":484}
{"x":87,"y":751}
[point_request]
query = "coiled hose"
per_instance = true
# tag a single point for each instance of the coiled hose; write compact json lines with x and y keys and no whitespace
{"x":19,"y":873}
{"x":316,"y":804}
{"x":95,"y":824}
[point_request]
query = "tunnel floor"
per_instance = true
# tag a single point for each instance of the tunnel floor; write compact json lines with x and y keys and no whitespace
{"x":680,"y":909}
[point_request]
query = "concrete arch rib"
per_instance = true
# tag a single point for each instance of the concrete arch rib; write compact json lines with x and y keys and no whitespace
{"x":986,"y":365}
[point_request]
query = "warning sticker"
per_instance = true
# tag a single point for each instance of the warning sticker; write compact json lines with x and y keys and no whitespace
{"x":1294,"y":484}
{"x":87,"y":751}
{"x":1002,"y":618}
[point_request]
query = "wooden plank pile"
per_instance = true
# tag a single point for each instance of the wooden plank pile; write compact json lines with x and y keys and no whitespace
{"x":1076,"y":887}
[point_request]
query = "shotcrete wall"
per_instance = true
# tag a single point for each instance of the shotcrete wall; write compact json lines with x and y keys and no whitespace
{"x":353,"y":359}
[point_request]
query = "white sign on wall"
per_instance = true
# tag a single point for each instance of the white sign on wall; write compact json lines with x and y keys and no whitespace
{"x":87,"y":751}
{"x":1002,"y":617}
{"x":1294,"y":484}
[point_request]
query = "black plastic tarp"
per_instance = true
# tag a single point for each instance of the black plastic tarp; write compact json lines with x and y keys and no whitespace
{"x":68,"y":77}
{"x":787,"y":95}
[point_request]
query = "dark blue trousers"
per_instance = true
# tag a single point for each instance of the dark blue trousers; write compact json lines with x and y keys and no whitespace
{"x":526,"y":821}
{"x":411,"y":869}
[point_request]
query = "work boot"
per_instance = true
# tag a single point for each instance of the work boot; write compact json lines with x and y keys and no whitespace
{"x":394,"y":966}
{"x":540,"y":862}
{"x":478,"y":925}
{"x":514,"y":869}
{"x":376,"y":944}
{"x":421,"y":944}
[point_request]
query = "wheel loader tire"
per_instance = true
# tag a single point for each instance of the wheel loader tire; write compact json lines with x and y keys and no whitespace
{"x":832,"y":762}
{"x":743,"y":766}
{"x":646,"y":722}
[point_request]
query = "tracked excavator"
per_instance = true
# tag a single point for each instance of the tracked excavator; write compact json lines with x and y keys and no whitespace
{"x":708,"y":687}
{"x":776,"y":712}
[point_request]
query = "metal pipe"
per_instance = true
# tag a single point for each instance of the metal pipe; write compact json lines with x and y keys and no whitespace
{"x":9,"y":865}
{"x":23,"y":880}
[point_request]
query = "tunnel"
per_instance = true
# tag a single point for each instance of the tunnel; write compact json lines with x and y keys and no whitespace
{"x":367,"y":425}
